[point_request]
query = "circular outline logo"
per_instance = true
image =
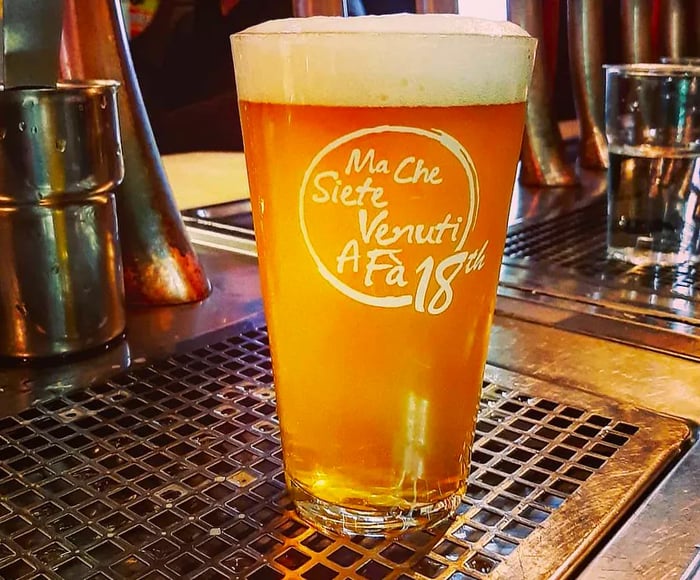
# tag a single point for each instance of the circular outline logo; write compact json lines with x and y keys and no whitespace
{"x":444,"y":139}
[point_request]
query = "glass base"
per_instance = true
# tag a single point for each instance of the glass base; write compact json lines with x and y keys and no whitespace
{"x":648,"y":257}
{"x":378,"y":522}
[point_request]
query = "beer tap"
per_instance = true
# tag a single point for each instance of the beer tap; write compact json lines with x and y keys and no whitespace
{"x":542,"y":157}
{"x":160,"y":265}
{"x":319,"y":8}
{"x":637,"y":32}
{"x":674,"y":15}
{"x":341,"y":7}
{"x":585,"y":28}
{"x":437,"y":6}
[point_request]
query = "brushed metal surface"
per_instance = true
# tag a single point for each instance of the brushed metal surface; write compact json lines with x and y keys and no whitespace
{"x":160,"y":265}
{"x":542,"y":157}
{"x":586,"y":48}
{"x":174,"y":468}
{"x":562,"y":260}
{"x":668,"y":520}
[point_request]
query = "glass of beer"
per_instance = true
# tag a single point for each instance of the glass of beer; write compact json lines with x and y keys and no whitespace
{"x":652,"y":116}
{"x":381,"y":156}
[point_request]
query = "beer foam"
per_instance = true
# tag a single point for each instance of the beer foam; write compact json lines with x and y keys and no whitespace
{"x":394,"y":60}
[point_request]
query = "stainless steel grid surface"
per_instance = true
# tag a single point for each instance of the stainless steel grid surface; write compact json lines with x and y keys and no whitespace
{"x":576,"y":242}
{"x":173,"y":470}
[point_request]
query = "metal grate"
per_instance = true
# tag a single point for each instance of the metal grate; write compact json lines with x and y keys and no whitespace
{"x":174,"y":470}
{"x":576,"y":241}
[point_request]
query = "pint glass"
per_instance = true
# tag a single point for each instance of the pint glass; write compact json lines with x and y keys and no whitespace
{"x":381,"y":156}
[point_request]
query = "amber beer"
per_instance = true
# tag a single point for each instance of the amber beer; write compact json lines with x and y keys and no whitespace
{"x":381,"y":155}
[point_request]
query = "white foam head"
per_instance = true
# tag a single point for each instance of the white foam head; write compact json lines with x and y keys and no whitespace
{"x":397,"y":60}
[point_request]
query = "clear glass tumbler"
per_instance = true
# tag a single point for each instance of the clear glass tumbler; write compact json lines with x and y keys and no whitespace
{"x":652,"y":116}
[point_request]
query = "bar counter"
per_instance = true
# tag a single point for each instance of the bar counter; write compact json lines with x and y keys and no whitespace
{"x":159,"y":457}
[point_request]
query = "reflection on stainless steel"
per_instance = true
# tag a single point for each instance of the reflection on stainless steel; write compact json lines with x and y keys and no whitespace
{"x":585,"y":24}
{"x":666,"y":518}
{"x":669,"y":520}
{"x":185,"y":457}
{"x":562,"y":260}
{"x":30,"y":35}
{"x":235,"y":213}
{"x":561,"y":308}
{"x":23,"y":386}
{"x":58,"y":142}
{"x":437,"y":6}
{"x":637,"y":33}
{"x":531,"y":204}
{"x":639,"y":377}
{"x":318,"y":8}
{"x":151,"y":333}
{"x":61,"y":286}
{"x":542,"y":157}
{"x":226,"y":226}
{"x":674,"y":19}
{"x":160,"y":265}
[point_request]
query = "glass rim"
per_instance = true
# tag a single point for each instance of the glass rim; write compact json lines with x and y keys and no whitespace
{"x":684,"y":60}
{"x":423,"y":34}
{"x":654,"y":69}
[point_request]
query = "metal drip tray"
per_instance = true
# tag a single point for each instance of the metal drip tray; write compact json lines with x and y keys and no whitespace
{"x":573,"y":246}
{"x":174,"y":470}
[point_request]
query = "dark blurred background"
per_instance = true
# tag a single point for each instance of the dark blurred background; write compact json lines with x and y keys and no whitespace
{"x":183,"y":61}
{"x":182,"y":57}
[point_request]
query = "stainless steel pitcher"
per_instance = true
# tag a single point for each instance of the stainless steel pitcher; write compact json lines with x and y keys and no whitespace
{"x":61,"y":282}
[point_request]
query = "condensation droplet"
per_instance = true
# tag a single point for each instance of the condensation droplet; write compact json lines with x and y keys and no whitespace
{"x":3,"y":133}
{"x":35,"y":130}
{"x":22,"y":125}
{"x":61,"y":145}
{"x":103,"y":102}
